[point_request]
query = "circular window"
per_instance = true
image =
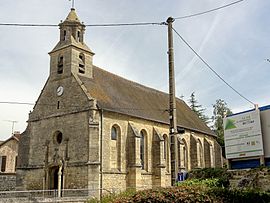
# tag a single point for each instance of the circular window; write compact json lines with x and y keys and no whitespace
{"x":58,"y":137}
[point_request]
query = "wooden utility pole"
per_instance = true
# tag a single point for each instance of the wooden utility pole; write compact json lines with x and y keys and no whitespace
{"x":172,"y":111}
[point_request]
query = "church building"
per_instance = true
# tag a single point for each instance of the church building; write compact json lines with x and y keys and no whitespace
{"x":92,"y":129}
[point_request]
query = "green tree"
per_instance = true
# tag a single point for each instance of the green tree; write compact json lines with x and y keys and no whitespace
{"x":219,"y":112}
{"x":197,"y":108}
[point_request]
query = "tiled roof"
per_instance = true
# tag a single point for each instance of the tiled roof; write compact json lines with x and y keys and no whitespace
{"x":15,"y":137}
{"x":114,"y":93}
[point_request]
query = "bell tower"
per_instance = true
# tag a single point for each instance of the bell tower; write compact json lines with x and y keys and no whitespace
{"x":71,"y":55}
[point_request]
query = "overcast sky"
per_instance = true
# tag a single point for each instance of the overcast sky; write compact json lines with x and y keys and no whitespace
{"x":234,"y":41}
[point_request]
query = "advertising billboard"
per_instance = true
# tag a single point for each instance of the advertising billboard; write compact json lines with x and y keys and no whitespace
{"x":243,"y":135}
{"x":265,"y":122}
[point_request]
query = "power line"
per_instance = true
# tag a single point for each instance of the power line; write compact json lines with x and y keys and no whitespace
{"x":20,"y":103}
{"x":121,"y":24}
{"x":66,"y":106}
{"x":89,"y":25}
{"x":208,"y":11}
{"x":241,"y":95}
{"x":27,"y":25}
{"x":125,"y":24}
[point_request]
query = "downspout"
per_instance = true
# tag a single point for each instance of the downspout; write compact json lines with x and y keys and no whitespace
{"x":101,"y":165}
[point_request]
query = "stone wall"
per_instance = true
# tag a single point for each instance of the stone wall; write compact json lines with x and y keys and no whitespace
{"x":130,"y":173}
{"x":251,"y":178}
{"x":23,"y":148}
{"x":157,"y":165}
{"x":114,"y":181}
{"x":7,"y":181}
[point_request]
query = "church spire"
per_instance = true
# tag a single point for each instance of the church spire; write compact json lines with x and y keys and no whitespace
{"x":71,"y":54}
{"x":72,"y":16}
{"x":72,"y":32}
{"x":72,"y":27}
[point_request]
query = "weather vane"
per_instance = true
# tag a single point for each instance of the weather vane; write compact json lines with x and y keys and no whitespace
{"x":73,"y":3}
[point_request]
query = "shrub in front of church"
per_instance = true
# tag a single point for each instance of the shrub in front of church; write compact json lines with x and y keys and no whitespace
{"x":190,"y":194}
{"x":206,"y":183}
{"x":220,"y":175}
{"x":186,"y":194}
{"x":113,"y":197}
{"x":228,"y":195}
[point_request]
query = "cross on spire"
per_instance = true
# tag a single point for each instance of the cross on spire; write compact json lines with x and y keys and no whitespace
{"x":73,"y":3}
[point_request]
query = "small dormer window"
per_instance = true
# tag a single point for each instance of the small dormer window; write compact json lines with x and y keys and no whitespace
{"x":65,"y":35}
{"x":79,"y":36}
{"x":81,"y":63}
{"x":60,"y":65}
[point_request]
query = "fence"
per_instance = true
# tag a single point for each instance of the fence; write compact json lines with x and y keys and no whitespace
{"x":66,"y":195}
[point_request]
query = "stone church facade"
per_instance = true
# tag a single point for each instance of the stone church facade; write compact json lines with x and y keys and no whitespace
{"x":92,"y":129}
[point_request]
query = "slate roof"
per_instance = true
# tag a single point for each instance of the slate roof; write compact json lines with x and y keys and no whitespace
{"x":116,"y":94}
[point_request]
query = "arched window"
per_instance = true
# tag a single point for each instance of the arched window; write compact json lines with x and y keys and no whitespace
{"x":115,"y":148}
{"x":60,"y":64}
{"x":199,"y":154}
{"x":79,"y":36}
{"x":185,"y":157}
{"x":166,"y":151}
{"x":65,"y":35}
{"x":113,"y":133}
{"x":165,"y":146}
{"x":212,"y":157}
{"x":179,"y":146}
{"x":81,"y":63}
{"x":143,"y":150}
{"x":183,"y":154}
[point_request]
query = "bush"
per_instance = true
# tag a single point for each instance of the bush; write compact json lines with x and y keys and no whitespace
{"x":240,"y":196}
{"x":212,"y":173}
{"x":203,"y":185}
{"x":190,"y":194}
{"x":214,"y":182}
{"x":111,"y":197}
{"x":185,"y":194}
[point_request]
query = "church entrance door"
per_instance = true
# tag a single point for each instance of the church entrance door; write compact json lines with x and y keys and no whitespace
{"x":56,"y":179}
